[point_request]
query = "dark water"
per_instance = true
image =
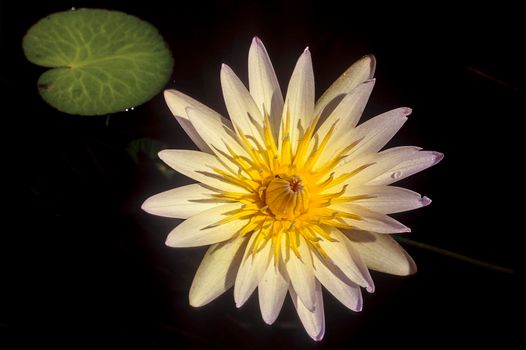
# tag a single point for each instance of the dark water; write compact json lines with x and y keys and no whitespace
{"x":83,"y":267}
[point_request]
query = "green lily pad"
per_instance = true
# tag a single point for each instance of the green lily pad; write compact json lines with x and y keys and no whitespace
{"x":102,"y":61}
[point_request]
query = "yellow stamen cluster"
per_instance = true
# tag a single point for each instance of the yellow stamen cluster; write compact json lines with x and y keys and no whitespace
{"x":287,"y":197}
{"x":288,"y":190}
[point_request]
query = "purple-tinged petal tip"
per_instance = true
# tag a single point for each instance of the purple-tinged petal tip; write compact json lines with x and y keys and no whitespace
{"x":426,"y":201}
{"x":438,"y":157}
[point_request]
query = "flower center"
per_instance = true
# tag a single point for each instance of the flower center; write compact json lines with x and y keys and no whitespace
{"x":287,"y":197}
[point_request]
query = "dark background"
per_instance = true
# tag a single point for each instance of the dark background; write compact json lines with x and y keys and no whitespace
{"x":82,"y":267}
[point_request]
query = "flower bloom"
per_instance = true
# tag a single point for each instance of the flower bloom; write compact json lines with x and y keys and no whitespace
{"x":291,"y":195}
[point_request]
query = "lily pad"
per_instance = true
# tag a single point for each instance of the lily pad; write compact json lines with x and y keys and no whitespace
{"x":102,"y":61}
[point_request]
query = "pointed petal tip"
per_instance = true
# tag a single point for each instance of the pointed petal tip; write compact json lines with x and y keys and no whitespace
{"x":412,"y":267}
{"x":145,"y":205}
{"x":398,"y":228}
{"x":370,"y":287}
{"x":406,"y":266}
{"x":196,"y":298}
{"x":195,"y":303}
{"x":227,"y":72}
{"x":170,"y":97}
{"x":168,"y":242}
{"x":237,"y":297}
{"x":359,"y":307}
{"x":407,"y":111}
{"x":173,"y":241}
{"x":318,"y":337}
{"x":425,"y":201}
{"x":258,"y":47}
{"x":168,"y":92}
{"x":369,"y":57}
{"x":162,"y":154}
{"x":225,"y":68}
{"x":268,"y":319}
{"x":438,"y":157}
{"x":306,"y":51}
{"x":371,"y":60}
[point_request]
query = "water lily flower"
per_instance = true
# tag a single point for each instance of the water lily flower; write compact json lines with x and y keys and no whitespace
{"x":291,"y":195}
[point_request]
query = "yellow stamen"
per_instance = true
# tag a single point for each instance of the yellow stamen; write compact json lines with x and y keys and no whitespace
{"x":287,"y":197}
{"x":290,"y":191}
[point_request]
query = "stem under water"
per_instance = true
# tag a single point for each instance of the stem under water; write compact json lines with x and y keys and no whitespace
{"x":454,"y":255}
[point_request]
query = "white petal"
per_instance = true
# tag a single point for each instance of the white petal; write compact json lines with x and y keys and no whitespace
{"x":345,"y":258}
{"x":178,"y":102}
{"x":370,"y":220}
{"x":251,"y":271}
{"x":339,"y":285}
{"x":387,"y":199}
{"x":181,"y":202}
{"x":217,"y":271}
{"x":418,"y":162}
{"x":376,"y":132}
{"x":300,"y":272}
{"x":243,"y":111}
{"x":299,"y":103}
{"x":217,"y":135}
{"x":200,"y":167}
{"x":369,"y":166}
{"x":263,"y":84}
{"x":356,"y":74}
{"x":204,"y":228}
{"x":272,"y":290}
{"x":382,"y":253}
{"x":344,"y":118}
{"x":349,"y":110}
{"x":313,"y":320}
